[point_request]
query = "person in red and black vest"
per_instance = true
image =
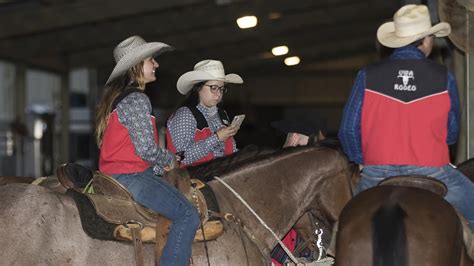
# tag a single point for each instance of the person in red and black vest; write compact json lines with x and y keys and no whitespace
{"x":128,"y":142}
{"x":403,"y":112}
{"x":199,"y":130}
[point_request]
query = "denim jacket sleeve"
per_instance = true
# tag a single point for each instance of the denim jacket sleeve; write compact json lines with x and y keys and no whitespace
{"x":349,"y":131}
{"x":454,"y":112}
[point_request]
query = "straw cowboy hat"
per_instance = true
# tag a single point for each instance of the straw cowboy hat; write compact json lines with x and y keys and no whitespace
{"x":410,"y":23}
{"x":204,"y":71}
{"x":132,"y":51}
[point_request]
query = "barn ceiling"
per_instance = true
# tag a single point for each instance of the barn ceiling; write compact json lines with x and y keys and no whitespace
{"x":61,"y":34}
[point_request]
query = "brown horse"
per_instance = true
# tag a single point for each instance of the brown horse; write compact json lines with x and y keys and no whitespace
{"x":307,"y":224}
{"x":392,"y":225}
{"x":280,"y":187}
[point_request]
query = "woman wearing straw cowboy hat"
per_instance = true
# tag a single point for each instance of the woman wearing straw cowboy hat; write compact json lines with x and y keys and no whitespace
{"x":128,"y":141}
{"x":200,"y":129}
{"x":404,"y":112}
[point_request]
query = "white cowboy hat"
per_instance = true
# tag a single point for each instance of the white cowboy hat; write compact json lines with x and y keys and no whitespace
{"x":132,"y":51}
{"x":204,"y":71}
{"x":410,"y":23}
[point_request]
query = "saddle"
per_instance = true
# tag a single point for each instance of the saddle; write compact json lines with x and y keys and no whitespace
{"x":116,"y":205}
{"x":417,"y":181}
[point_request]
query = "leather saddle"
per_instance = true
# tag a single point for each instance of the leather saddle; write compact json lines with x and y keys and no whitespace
{"x":116,"y":205}
{"x":417,"y":181}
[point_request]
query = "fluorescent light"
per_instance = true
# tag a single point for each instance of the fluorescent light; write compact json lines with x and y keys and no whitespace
{"x":291,"y":61}
{"x":247,"y":22}
{"x":280,"y":50}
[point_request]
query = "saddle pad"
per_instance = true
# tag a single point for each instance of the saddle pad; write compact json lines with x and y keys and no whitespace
{"x":92,"y":224}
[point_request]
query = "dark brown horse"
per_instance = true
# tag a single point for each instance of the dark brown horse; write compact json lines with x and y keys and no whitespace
{"x":392,"y":225}
{"x":280,"y":187}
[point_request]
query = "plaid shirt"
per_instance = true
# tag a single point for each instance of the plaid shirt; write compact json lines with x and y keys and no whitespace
{"x":350,"y":129}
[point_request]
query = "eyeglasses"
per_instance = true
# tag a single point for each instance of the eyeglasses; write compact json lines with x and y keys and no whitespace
{"x":216,"y":88}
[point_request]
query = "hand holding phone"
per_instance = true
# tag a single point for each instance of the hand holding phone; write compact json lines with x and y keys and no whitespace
{"x":237,"y":121}
{"x":225,"y":132}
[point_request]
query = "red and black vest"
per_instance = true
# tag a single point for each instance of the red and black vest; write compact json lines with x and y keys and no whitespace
{"x":117,"y":153}
{"x":405,"y":111}
{"x":203,"y":132}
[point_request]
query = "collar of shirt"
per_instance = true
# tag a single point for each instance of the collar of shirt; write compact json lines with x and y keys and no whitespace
{"x":207,"y":111}
{"x":407,"y":52}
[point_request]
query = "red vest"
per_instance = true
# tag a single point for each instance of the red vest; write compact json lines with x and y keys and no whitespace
{"x":202,"y":132}
{"x":117,"y":153}
{"x":405,"y":114}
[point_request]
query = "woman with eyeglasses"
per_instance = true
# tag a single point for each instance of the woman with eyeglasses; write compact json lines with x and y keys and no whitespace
{"x":199,"y":130}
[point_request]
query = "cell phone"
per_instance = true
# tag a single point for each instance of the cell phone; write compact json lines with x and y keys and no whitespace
{"x":237,"y":121}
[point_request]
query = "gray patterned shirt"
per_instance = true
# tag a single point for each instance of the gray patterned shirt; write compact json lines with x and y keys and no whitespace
{"x":182,"y":127}
{"x":134,"y":112}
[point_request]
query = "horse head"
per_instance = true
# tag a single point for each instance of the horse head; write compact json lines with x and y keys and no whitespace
{"x":282,"y":186}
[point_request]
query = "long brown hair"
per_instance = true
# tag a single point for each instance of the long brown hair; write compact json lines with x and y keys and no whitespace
{"x":133,"y":77}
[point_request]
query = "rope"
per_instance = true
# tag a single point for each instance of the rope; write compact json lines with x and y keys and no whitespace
{"x":290,"y":255}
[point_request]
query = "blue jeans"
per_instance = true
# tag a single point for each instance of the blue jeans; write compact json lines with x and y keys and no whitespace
{"x":155,"y":193}
{"x":460,"y":188}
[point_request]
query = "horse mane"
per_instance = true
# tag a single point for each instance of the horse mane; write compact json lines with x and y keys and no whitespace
{"x":250,"y":154}
{"x":222,"y":165}
{"x":330,"y":143}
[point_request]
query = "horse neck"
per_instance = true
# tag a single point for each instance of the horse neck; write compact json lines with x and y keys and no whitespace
{"x":222,"y":165}
{"x":279,"y":188}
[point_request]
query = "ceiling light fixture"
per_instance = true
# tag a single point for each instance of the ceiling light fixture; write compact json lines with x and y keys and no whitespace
{"x":291,"y":61}
{"x":247,"y":22}
{"x":280,"y":50}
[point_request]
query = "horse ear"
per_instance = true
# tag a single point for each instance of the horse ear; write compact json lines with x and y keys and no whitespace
{"x":320,"y":135}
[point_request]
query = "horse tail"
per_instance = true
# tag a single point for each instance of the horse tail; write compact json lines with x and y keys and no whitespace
{"x":389,"y":242}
